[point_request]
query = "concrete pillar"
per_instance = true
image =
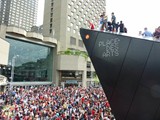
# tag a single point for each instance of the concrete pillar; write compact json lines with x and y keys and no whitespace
{"x":55,"y":72}
{"x":84,"y":79}
{"x":3,"y":29}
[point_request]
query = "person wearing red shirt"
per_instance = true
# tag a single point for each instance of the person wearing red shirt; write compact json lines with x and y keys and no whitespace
{"x":107,"y":104}
{"x":91,"y":25}
{"x":93,"y":112}
{"x":82,"y":99}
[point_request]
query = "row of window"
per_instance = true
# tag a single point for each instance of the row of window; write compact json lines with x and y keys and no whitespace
{"x":74,"y":30}
{"x":89,"y":4}
{"x":23,"y":9}
{"x":18,"y":18}
{"x":24,"y":16}
{"x":81,"y":15}
{"x":21,"y":26}
{"x":73,"y":42}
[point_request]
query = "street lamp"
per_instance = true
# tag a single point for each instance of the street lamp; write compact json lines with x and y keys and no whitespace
{"x":12,"y":74}
{"x":13,"y":65}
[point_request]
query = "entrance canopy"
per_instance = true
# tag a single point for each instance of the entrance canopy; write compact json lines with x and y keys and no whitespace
{"x":71,"y":82}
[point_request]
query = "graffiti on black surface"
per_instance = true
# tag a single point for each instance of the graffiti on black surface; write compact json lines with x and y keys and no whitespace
{"x":111,"y":47}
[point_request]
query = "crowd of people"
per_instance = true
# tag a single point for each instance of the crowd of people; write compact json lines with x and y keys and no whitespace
{"x":147,"y":33}
{"x":105,"y":25}
{"x":55,"y":103}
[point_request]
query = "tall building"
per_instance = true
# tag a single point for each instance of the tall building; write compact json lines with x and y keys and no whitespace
{"x":19,"y":13}
{"x":62,"y":20}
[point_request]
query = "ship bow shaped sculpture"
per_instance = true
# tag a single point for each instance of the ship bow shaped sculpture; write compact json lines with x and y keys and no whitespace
{"x":129,"y":72}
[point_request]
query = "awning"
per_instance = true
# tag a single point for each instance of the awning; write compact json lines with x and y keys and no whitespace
{"x":71,"y":81}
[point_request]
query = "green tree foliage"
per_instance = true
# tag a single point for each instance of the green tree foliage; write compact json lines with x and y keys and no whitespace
{"x":95,"y":77}
{"x":74,"y":52}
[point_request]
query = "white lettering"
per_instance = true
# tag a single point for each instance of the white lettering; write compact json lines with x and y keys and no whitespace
{"x":111,"y":47}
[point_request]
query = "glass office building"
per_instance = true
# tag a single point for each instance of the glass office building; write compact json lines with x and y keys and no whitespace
{"x":31,"y":61}
{"x":19,"y":13}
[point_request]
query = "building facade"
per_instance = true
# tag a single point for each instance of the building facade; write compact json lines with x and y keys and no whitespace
{"x":62,"y":20}
{"x":4,"y":53}
{"x":19,"y":13}
{"x":31,"y":58}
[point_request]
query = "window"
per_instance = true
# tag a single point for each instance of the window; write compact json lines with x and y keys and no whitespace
{"x":51,"y":20}
{"x":74,"y":31}
{"x":74,"y":20}
{"x":31,"y":61}
{"x":50,"y":31}
{"x":88,"y":64}
{"x":71,"y":24}
{"x":80,"y":43}
{"x":76,"y":26}
{"x":88,"y":74}
{"x":77,"y":16}
{"x":80,"y":3}
{"x":72,"y":41}
{"x":68,"y":29}
{"x":69,"y":17}
{"x":69,"y":6}
{"x":52,"y":4}
{"x":72,"y":3}
{"x":51,"y":14}
{"x":81,"y":19}
{"x":50,"y":25}
{"x":76,"y":6}
{"x":71,"y":13}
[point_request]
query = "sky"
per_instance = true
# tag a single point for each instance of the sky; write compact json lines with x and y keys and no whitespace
{"x":40,"y":12}
{"x":136,"y":14}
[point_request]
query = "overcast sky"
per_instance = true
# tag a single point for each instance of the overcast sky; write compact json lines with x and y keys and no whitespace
{"x":136,"y":14}
{"x":40,"y":12}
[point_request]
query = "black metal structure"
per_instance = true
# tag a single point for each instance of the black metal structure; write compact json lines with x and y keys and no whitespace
{"x":129,"y":72}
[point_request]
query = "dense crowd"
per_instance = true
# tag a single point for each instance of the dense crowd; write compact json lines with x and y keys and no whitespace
{"x":55,"y":103}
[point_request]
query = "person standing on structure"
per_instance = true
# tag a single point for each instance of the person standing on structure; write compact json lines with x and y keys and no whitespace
{"x":113,"y":21}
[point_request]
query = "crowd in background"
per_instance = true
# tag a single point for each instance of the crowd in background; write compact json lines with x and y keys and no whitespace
{"x":109,"y":25}
{"x":112,"y":25}
{"x":147,"y":33}
{"x":55,"y":103}
{"x":105,"y":25}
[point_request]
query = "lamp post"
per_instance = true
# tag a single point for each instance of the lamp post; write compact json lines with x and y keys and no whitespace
{"x":12,"y":74}
{"x":13,"y":65}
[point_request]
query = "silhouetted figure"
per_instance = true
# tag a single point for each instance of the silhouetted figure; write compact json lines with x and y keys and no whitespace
{"x":105,"y":20}
{"x":109,"y":26}
{"x":156,"y":34}
{"x":125,"y":30}
{"x":117,"y":26}
{"x":113,"y":20}
{"x":100,"y":27}
{"x":121,"y":27}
